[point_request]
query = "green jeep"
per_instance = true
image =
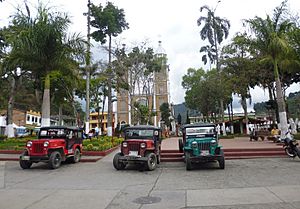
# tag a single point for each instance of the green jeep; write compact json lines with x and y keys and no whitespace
{"x":200,"y":145}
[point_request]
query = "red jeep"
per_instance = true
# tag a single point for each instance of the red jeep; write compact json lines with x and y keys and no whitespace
{"x":142,"y":146}
{"x":54,"y":145}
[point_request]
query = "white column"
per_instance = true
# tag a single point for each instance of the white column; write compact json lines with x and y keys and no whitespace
{"x":154,"y":100}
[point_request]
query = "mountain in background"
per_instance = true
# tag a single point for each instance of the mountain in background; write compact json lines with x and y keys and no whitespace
{"x":292,"y":106}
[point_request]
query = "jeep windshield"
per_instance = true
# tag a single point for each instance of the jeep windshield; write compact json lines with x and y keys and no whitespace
{"x":139,"y":133}
{"x":200,"y":131}
{"x":53,"y":133}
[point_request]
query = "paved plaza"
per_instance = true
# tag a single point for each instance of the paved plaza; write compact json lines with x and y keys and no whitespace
{"x":253,"y":183}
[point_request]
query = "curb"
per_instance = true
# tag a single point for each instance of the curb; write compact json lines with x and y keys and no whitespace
{"x":99,"y":154}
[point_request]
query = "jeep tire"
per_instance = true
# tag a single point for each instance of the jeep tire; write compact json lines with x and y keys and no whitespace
{"x":188,"y":163}
{"x":117,"y":164}
{"x":25,"y":164}
{"x":55,"y":160}
{"x":76,"y":157}
{"x":151,"y":161}
{"x":222,"y":160}
{"x":158,"y":157}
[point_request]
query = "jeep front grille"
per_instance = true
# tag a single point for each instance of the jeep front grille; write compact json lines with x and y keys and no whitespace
{"x":134,"y":146}
{"x":37,"y":147}
{"x":204,"y":146}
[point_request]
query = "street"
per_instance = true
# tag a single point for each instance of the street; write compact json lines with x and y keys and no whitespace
{"x":253,"y":183}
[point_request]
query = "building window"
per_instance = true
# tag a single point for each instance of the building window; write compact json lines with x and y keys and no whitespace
{"x":28,"y":118}
{"x":32,"y":119}
{"x":40,"y":120}
{"x":35,"y":120}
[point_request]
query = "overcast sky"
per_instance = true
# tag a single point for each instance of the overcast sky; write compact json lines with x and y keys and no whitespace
{"x":174,"y":22}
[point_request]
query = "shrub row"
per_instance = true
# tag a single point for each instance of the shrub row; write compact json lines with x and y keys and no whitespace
{"x":93,"y":144}
{"x":101,"y":143}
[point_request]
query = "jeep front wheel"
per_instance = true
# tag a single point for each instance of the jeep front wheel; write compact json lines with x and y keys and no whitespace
{"x":151,"y":161}
{"x":158,"y":157}
{"x":55,"y":160}
{"x":25,"y":164}
{"x":188,"y":162}
{"x":222,"y":160}
{"x":117,"y":164}
{"x":76,"y":157}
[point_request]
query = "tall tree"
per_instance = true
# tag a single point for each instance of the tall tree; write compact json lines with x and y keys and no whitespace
{"x":165,"y":113}
{"x":109,"y":22}
{"x":271,"y":40}
{"x":202,"y":91}
{"x":239,"y":67}
{"x":135,"y":74}
{"x":215,"y":30}
{"x":51,"y":48}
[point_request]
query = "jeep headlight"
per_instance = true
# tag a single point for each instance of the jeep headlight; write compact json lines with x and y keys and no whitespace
{"x":213,"y":142}
{"x":46,"y":144}
{"x":194,"y":144}
{"x":29,"y":144}
{"x":143,"y":145}
{"x":125,"y":144}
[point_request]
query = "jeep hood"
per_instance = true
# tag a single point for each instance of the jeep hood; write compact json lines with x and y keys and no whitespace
{"x":137,"y":140}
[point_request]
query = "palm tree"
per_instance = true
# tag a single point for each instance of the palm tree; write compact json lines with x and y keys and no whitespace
{"x":214,"y":29}
{"x":45,"y":37}
{"x":273,"y":46}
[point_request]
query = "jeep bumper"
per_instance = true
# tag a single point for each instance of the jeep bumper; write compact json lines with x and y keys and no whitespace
{"x":44,"y":158}
{"x":136,"y":159}
{"x":207,"y":158}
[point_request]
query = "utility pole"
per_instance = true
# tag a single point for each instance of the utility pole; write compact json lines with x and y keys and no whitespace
{"x":88,"y":63}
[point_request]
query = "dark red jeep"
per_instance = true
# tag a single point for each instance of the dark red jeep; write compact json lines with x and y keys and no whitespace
{"x":142,"y":146}
{"x":54,"y":145}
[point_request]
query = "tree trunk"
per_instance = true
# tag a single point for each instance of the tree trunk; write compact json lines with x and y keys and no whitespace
{"x":273,"y":112}
{"x":60,"y":114}
{"x":222,"y":116}
{"x":280,"y":103}
{"x":109,"y":92}
{"x":102,"y":114}
{"x":99,"y":120}
{"x":37,"y":96}
{"x":244,"y":105}
{"x":46,"y":103}
{"x":232,"y":125}
{"x":10,"y":107}
{"x":281,"y":109}
{"x":75,"y":112}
